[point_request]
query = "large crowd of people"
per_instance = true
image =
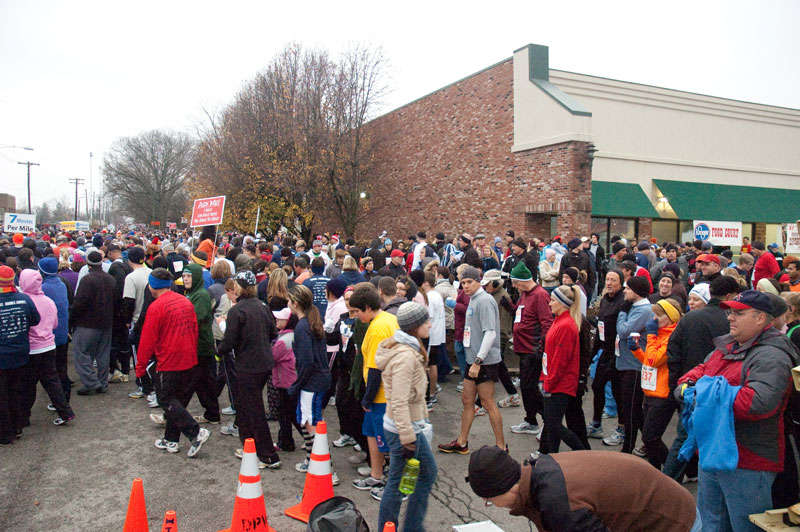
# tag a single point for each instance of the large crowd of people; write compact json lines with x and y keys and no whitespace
{"x":375,"y":329}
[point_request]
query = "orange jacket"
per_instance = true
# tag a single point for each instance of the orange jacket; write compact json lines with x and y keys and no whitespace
{"x":656,"y":357}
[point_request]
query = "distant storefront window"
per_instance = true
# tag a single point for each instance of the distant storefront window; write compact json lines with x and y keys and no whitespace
{"x":624,"y":227}
{"x":600,"y":226}
{"x":665,"y":230}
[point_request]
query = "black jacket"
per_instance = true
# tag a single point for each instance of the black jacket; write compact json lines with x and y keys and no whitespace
{"x":531,"y":261}
{"x":693,"y":339}
{"x":249,"y":333}
{"x":118,"y":270}
{"x":580,"y":261}
{"x":93,"y":307}
{"x":610,"y":307}
{"x":472,"y":258}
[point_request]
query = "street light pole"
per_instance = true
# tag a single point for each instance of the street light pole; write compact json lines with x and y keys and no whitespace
{"x":29,"y":164}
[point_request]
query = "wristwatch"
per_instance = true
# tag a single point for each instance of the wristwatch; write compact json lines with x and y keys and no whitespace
{"x":478,"y":361}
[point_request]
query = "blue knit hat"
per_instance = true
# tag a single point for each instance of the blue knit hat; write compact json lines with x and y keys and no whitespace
{"x":48,"y":266}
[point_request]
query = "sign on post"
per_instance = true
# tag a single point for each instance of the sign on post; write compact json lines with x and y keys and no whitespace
{"x":791,"y":238}
{"x":718,"y":233}
{"x":208,"y":211}
{"x":19,"y":223}
{"x":172,"y":226}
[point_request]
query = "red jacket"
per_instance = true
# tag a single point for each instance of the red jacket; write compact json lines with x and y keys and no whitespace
{"x":460,"y":314}
{"x":561,"y":361}
{"x":169,"y":333}
{"x":532,"y":321}
{"x":766,"y":266}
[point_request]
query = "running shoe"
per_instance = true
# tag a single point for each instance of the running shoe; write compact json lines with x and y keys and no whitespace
{"x":364,"y":471}
{"x":454,"y":447}
{"x":198,"y":442}
{"x":158,"y":419}
{"x":480,"y":411}
{"x":616,"y":438}
{"x":377,"y":494}
{"x":202,"y":419}
{"x":229,"y":430}
{"x":358,"y":458}
{"x":526,"y":428}
{"x":640,"y":452}
{"x":515,"y":382}
{"x":63,"y":420}
{"x":511,"y":400}
{"x":116,"y":377}
{"x":302,"y":466}
{"x":438,"y":389}
{"x":368,"y":483}
{"x":594,"y":431}
{"x":334,"y":479}
{"x":460,"y":387}
{"x":228,"y":411}
{"x":344,"y":441}
{"x":138,"y":394}
{"x":169,"y":446}
{"x":51,"y":408}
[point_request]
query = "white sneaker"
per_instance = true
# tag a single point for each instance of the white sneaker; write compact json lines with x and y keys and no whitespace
{"x":151,"y":397}
{"x":511,"y":400}
{"x":138,"y":394}
{"x":526,"y":428}
{"x":302,"y":466}
{"x":158,"y":419}
{"x":616,"y":438}
{"x":332,"y":401}
{"x":438,"y":388}
{"x":358,"y":448}
{"x":515,"y":382}
{"x":169,"y":446}
{"x":198,"y":442}
{"x":480,"y":411}
{"x":116,"y":377}
{"x":334,"y":479}
{"x":459,"y":388}
{"x":364,"y":471}
{"x":344,"y":441}
{"x":228,"y":411}
{"x":356,"y":459}
{"x":202,"y":419}
{"x":229,"y":430}
{"x":367,"y":483}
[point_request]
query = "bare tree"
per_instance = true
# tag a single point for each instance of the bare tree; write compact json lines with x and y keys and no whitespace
{"x":147,"y":174}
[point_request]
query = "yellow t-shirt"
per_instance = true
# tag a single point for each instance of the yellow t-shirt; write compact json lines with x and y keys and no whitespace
{"x":382,"y":327}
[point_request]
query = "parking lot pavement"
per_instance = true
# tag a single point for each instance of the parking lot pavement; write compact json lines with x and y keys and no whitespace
{"x":78,"y":477}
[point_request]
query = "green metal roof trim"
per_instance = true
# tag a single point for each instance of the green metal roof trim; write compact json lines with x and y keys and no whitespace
{"x":621,"y":199}
{"x":539,"y":74}
{"x":730,"y":203}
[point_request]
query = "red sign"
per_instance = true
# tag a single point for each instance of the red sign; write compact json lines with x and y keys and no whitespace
{"x":172,"y":225}
{"x":155,"y":222}
{"x":208,"y":211}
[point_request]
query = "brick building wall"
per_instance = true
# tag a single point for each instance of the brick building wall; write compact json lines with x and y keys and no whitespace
{"x":448,"y":166}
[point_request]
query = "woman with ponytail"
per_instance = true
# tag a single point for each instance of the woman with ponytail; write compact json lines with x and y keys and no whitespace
{"x":311,"y":363}
{"x":561,"y":367}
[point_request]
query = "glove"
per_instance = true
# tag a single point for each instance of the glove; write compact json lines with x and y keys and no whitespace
{"x":633,"y":343}
{"x":506,"y":303}
{"x":652,"y":327}
{"x":451,"y":303}
{"x":626,"y":307}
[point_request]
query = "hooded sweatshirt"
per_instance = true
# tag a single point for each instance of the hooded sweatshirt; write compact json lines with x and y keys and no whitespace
{"x":201,"y":300}
{"x":40,"y":336}
{"x":56,"y":289}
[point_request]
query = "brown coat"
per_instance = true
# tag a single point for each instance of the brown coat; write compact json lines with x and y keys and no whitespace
{"x":600,"y":490}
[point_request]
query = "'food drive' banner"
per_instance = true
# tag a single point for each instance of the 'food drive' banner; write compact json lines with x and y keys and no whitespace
{"x":718,"y":233}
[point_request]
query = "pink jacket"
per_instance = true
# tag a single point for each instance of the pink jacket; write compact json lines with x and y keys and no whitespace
{"x":41,"y":336}
{"x":283,"y":374}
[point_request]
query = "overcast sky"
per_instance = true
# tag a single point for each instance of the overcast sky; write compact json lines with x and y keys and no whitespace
{"x":74,"y":76}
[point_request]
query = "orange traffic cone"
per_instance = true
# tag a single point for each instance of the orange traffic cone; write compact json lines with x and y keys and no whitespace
{"x":136,"y":518}
{"x":249,"y":510}
{"x":388,"y":527}
{"x":319,"y":479}
{"x":170,"y":522}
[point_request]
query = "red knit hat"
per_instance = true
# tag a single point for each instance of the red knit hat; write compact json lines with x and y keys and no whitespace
{"x":6,"y":280}
{"x":18,"y":239}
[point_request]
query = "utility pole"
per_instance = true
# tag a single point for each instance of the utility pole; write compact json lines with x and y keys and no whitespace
{"x":91,"y":186}
{"x":29,"y":164}
{"x":77,"y":182}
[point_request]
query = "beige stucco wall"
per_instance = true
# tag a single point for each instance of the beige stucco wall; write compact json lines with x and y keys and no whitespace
{"x":645,"y":133}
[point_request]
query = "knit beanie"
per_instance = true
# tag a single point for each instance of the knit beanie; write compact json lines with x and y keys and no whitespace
{"x":48,"y":266}
{"x":573,"y":273}
{"x":572,"y":244}
{"x":94,"y":258}
{"x":492,"y":472}
{"x":639,"y":285}
{"x":18,"y":238}
{"x":336,"y":287}
{"x":673,"y":268}
{"x":520,"y":272}
{"x":6,"y":280}
{"x":97,"y":241}
{"x":410,"y":315}
{"x":617,"y":247}
{"x":470,"y":272}
{"x":702,"y":291}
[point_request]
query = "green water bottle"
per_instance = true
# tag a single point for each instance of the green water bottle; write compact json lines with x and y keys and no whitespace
{"x":409,"y":480}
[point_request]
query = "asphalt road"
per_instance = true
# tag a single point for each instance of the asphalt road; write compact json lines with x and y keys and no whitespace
{"x":78,"y":477}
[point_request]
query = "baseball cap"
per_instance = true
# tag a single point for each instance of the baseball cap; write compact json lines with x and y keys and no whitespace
{"x":282,"y":314}
{"x":750,"y":299}
{"x":707,"y":257}
{"x":396,"y":253}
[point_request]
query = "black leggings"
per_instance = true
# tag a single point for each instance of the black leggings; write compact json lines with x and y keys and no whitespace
{"x":657,"y":415}
{"x":629,"y":404}
{"x":555,"y":407}
{"x":606,"y":372}
{"x":530,"y":369}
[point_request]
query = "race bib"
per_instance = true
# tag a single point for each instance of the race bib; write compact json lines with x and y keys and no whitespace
{"x":616,"y":346}
{"x":518,"y":316}
{"x":544,"y":363}
{"x":466,"y":336}
{"x":601,"y":331}
{"x":649,"y":378}
{"x":177,"y":266}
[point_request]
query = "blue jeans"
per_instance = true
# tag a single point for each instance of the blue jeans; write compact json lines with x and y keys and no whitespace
{"x":461,"y":357}
{"x":725,"y":499}
{"x":417,"y":501}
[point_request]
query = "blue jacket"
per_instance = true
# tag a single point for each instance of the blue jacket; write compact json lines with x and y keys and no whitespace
{"x":629,"y":322}
{"x":311,"y":361}
{"x":708,"y":419}
{"x":17,"y":315}
{"x":55,"y":289}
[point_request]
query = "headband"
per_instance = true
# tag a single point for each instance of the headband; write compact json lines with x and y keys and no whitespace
{"x":157,"y":284}
{"x":670,"y":310}
{"x":563,"y":299}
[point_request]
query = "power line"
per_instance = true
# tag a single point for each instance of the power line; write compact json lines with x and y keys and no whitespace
{"x":29,"y":164}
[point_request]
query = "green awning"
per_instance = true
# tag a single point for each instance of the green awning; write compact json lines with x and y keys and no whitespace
{"x":730,"y":203}
{"x":621,"y":199}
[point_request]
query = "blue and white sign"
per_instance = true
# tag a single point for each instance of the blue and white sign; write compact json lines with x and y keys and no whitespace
{"x":718,"y":233}
{"x":19,"y":223}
